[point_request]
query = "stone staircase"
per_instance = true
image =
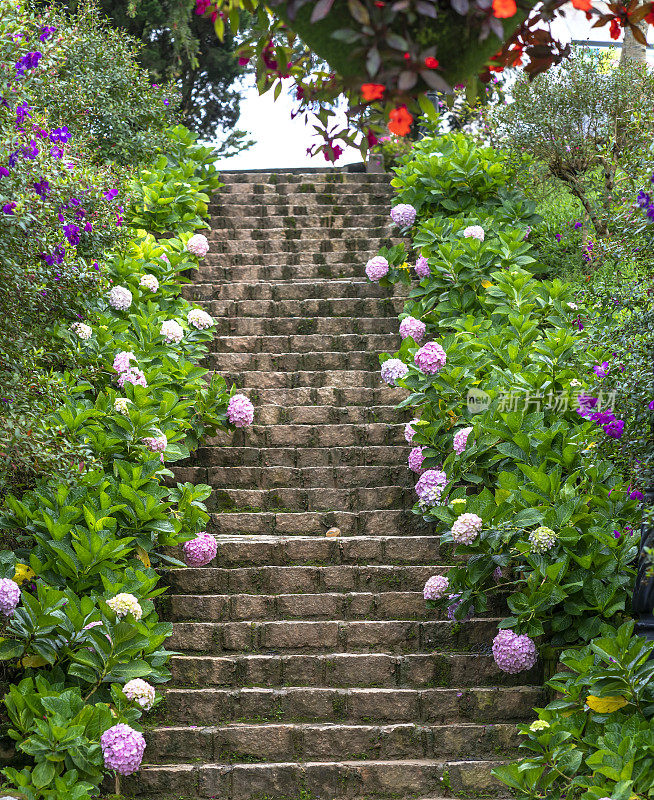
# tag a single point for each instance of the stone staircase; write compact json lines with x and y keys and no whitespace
{"x":309,"y":667}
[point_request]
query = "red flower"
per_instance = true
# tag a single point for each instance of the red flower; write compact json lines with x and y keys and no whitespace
{"x":614,"y":29}
{"x":372,"y":91}
{"x":431,"y":62}
{"x":243,"y":60}
{"x":333,"y":152}
{"x":407,"y":56}
{"x":582,"y":5}
{"x":372,"y":139}
{"x":649,"y":18}
{"x":400,"y":121}
{"x":379,"y":3}
{"x":503,"y":9}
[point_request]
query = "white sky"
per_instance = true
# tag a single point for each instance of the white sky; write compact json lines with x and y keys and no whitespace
{"x":282,"y":142}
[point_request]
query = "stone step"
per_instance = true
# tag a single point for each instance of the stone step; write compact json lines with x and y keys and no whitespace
{"x":292,"y":205}
{"x":225,"y":244}
{"x":308,"y":235}
{"x":318,"y":415}
{"x":263,"y":219}
{"x":338,"y":396}
{"x":306,"y":343}
{"x":226,"y":273}
{"x":303,"y":607}
{"x":268,"y":551}
{"x":292,"y":326}
{"x":314,"y":704}
{"x":275,"y":743}
{"x":272,"y":580}
{"x":332,"y":635}
{"x":306,"y":256}
{"x":346,"y":670}
{"x":319,"y":288}
{"x":300,"y":191}
{"x":354,"y":780}
{"x":371,"y":434}
{"x":387,"y":522}
{"x":313,"y":307}
{"x":312,"y":499}
{"x":309,"y":478}
{"x":322,"y":174}
{"x":299,"y":457}
{"x":294,"y":362}
{"x":251,"y":380}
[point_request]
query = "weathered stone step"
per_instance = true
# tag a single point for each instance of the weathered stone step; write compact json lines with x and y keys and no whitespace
{"x":332,"y":636}
{"x":299,"y":457}
{"x":321,"y":174}
{"x":339,"y":379}
{"x":319,"y":415}
{"x":307,"y":235}
{"x":373,"y":433}
{"x":268,"y":580}
{"x":318,"y":288}
{"x":275,"y":743}
{"x":355,"y":780}
{"x":311,"y":499}
{"x":294,"y":362}
{"x":274,"y":247}
{"x":291,"y":205}
{"x":289,"y":326}
{"x":309,"y":478}
{"x":343,"y":670}
{"x":226,"y":273}
{"x":305,"y":607}
{"x":305,"y":256}
{"x":314,"y":307}
{"x":381,"y":395}
{"x":387,"y":522}
{"x":300,"y":191}
{"x":225,"y":221}
{"x":315,"y":704}
{"x":306,"y":343}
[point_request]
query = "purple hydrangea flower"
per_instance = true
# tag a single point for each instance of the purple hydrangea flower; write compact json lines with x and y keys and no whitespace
{"x":422,"y":267}
{"x":513,"y":653}
{"x":430,"y":485}
{"x":393,"y":370}
{"x":9,"y":596}
{"x":122,"y":748}
{"x":376,"y":268}
{"x":416,"y":458}
{"x":461,"y":440}
{"x":451,"y":609}
{"x":409,"y":431}
{"x":403,"y":215}
{"x":431,"y":358}
{"x":415,"y":328}
{"x":436,"y":587}
{"x":240,"y":411}
{"x":200,"y":551}
{"x":466,"y":528}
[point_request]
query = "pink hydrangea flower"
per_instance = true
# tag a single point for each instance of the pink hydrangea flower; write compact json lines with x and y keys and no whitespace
{"x":513,"y":653}
{"x":82,"y":330}
{"x":403,"y":215}
{"x":157,"y":444}
{"x":431,"y":358}
{"x":416,"y":458}
{"x":430,"y":485}
{"x":409,"y":431}
{"x":436,"y":587}
{"x":474,"y":232}
{"x":461,"y":440}
{"x":200,"y":551}
{"x":122,"y":361}
{"x":393,"y":370}
{"x":198,"y":245}
{"x":466,"y":528}
{"x":422,"y":267}
{"x":172,"y":331}
{"x":140,"y":692}
{"x":9,"y":596}
{"x":134,"y":376}
{"x":240,"y":411}
{"x":415,"y":328}
{"x":376,"y":268}
{"x":149,"y":282}
{"x":122,"y":748}
{"x":120,"y":298}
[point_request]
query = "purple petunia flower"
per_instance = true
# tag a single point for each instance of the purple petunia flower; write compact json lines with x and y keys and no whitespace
{"x":31,"y":150}
{"x":558,"y":237}
{"x":8,"y":208}
{"x":651,"y":405}
{"x":42,"y":188}
{"x":601,"y":369}
{"x":578,"y":225}
{"x":60,"y":135}
{"x":56,"y":152}
{"x":71,"y":232}
{"x":636,"y":495}
{"x":46,"y":33}
{"x":4,"y":172}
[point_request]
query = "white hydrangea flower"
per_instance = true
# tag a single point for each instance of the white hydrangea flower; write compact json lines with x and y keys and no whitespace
{"x":149,"y":282}
{"x":542,"y":539}
{"x":141,"y":692}
{"x":121,"y":405}
{"x":123,"y":604}
{"x":199,"y":319}
{"x":120,"y":298}
{"x":474,"y":232}
{"x":82,"y":330}
{"x":172,"y":331}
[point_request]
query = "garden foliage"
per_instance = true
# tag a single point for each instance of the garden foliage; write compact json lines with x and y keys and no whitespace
{"x":516,"y":447}
{"x":82,"y":642}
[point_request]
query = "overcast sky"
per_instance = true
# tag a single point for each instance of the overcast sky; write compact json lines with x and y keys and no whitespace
{"x":282,"y":142}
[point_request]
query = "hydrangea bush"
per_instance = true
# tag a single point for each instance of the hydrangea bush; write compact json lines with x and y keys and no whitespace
{"x":517,"y":466}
